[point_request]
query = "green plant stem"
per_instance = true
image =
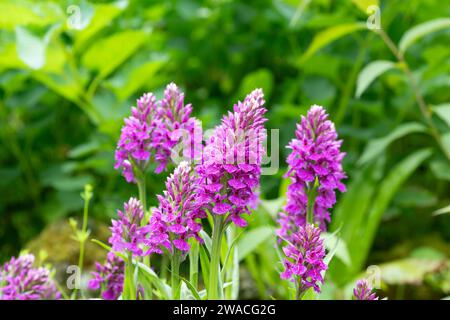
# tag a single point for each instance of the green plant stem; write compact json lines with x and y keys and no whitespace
{"x":350,"y":83}
{"x":426,"y":112}
{"x":130,"y":281}
{"x":299,"y":293}
{"x":213,"y":293}
{"x":312,"y":193}
{"x":193,"y":264}
{"x":143,"y":198}
{"x":175,"y":275}
{"x":82,"y":239}
{"x":164,"y":266}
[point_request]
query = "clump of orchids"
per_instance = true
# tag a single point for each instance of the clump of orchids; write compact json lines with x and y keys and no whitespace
{"x":217,"y":181}
{"x":205,"y":200}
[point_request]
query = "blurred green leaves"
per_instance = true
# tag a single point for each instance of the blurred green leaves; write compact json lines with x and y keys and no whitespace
{"x":370,"y":72}
{"x":64,"y":91}
{"x":107,"y":54}
{"x":329,"y":35}
{"x":443,"y":111}
{"x":376,"y":146}
{"x":363,"y":5}
{"x":261,"y":78}
{"x":421,"y":30}
{"x":30,"y":49}
{"x":361,"y":209}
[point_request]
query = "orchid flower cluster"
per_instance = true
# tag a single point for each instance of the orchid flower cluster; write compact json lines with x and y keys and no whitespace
{"x":152,"y":131}
{"x":20,"y":280}
{"x":218,"y":182}
{"x":223,"y":183}
{"x":315,"y":170}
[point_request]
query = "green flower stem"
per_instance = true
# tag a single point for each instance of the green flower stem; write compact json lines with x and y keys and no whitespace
{"x":143,"y":198}
{"x":164,"y":266}
{"x":298,"y":292}
{"x":193,"y":263}
{"x":83,"y":234}
{"x":175,"y":275}
{"x":312,"y":194}
{"x":131,"y":292}
{"x":218,"y":228}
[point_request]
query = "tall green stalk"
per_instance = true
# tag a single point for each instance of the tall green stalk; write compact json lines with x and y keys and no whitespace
{"x":129,"y":285}
{"x":213,"y":289}
{"x":193,"y":263}
{"x":83,"y":234}
{"x":175,"y":275}
{"x":143,"y":198}
{"x":312,"y":194}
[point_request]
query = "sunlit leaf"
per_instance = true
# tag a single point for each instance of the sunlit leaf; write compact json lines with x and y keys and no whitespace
{"x":363,"y":5}
{"x":137,"y":78}
{"x":252,"y":239}
{"x":421,"y":30}
{"x":109,"y":53}
{"x":443,"y":111}
{"x":273,"y":206}
{"x":337,"y":246}
{"x":261,"y":78}
{"x":407,"y":271}
{"x":327,"y":36}
{"x":370,"y":72}
{"x":375,"y":147}
{"x":442,"y":211}
{"x":30,"y":48}
{"x":440,"y":169}
{"x":27,"y":13}
{"x":104,"y":14}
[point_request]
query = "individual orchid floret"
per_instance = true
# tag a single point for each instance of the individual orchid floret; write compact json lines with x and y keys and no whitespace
{"x":127,"y":232}
{"x":364,"y":291}
{"x":176,"y":219}
{"x":304,"y":262}
{"x":231,"y":165}
{"x":315,"y":170}
{"x":19,"y":280}
{"x":108,"y":278}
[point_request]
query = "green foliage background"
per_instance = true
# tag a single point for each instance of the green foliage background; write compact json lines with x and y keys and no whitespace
{"x":64,"y":93}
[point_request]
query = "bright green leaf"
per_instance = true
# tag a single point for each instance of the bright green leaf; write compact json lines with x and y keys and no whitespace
{"x":375,"y":147}
{"x":137,"y":78}
{"x":261,"y":78}
{"x":337,"y":246}
{"x":107,"y":54}
{"x":273,"y":206}
{"x":104,"y":14}
{"x":370,"y":72}
{"x":30,"y":49}
{"x":363,"y":5}
{"x":327,"y":36}
{"x":442,"y":211}
{"x":407,"y":271}
{"x":421,"y":30}
{"x":252,"y":239}
{"x":15,"y":13}
{"x":443,"y":111}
